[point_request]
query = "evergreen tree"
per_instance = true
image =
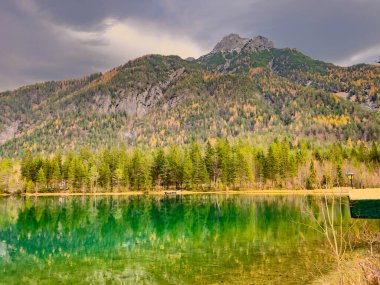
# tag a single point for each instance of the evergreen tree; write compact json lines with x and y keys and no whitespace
{"x":224,"y":156}
{"x":158,"y":168}
{"x":311,"y":180}
{"x":326,"y":180}
{"x":339,"y":179}
{"x":187,"y":172}
{"x":27,"y":164}
{"x":173,"y":167}
{"x":56,"y":174}
{"x":244,"y":166}
{"x":284,"y":169}
{"x":200,"y":175}
{"x":41,"y":178}
{"x":93,"y":175}
{"x":233,"y":168}
{"x":293,"y":167}
{"x":211,"y":161}
{"x":104,"y":175}
{"x":119,"y":174}
{"x":261,"y":166}
{"x":363,"y":152}
{"x":374,"y":154}
{"x":140,"y":171}
{"x":71,"y":174}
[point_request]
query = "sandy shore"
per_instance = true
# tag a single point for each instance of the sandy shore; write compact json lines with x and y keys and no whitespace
{"x":334,"y":191}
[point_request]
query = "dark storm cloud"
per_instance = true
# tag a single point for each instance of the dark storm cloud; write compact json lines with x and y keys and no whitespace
{"x":36,"y":46}
{"x":30,"y":50}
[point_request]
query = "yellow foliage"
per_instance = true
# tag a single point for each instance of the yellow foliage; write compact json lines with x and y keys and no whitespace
{"x":153,"y":141}
{"x":331,"y":120}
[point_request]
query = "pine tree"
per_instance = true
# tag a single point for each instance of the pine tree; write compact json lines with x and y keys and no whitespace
{"x":140,"y":171}
{"x":41,"y":178}
{"x":293,"y":167}
{"x":71,"y":174}
{"x":211,"y":161}
{"x":199,"y":167}
{"x":119,"y":174}
{"x":158,"y":167}
{"x":273,"y":162}
{"x":233,"y":168}
{"x":245,"y":166}
{"x":260,"y":166}
{"x":224,"y":156}
{"x":173,"y":167}
{"x":104,"y":175}
{"x":56,"y":174}
{"x":339,"y":179}
{"x":374,"y":154}
{"x":326,"y":180}
{"x":27,"y":166}
{"x":93,"y":175}
{"x":187,"y":172}
{"x":284,"y":159}
{"x":311,"y":180}
{"x":363,"y":152}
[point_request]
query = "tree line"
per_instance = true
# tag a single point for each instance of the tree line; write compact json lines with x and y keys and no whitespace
{"x":219,"y":164}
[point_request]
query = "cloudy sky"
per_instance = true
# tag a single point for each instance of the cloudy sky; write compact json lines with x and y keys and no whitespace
{"x":59,"y":39}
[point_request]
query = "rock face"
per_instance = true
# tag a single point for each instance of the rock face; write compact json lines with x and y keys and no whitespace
{"x":233,"y":42}
{"x":136,"y":103}
{"x":8,"y":132}
{"x":258,"y":43}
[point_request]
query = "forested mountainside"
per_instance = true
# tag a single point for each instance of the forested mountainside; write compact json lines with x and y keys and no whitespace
{"x":243,"y":88}
{"x":358,"y":83}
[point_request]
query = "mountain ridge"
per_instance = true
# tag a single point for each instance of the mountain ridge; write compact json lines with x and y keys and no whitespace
{"x":241,"y":88}
{"x":233,"y":42}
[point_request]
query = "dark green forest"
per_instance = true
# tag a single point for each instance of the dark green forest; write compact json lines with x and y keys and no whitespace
{"x":218,"y":165}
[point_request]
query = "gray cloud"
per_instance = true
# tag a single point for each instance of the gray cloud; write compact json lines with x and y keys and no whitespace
{"x":55,"y":39}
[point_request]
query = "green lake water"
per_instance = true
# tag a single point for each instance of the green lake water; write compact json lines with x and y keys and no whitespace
{"x":192,"y":239}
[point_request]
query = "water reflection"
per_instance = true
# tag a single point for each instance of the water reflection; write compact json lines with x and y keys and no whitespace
{"x":201,"y":239}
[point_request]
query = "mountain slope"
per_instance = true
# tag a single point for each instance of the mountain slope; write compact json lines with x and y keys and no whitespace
{"x":244,"y":87}
{"x":359,"y":83}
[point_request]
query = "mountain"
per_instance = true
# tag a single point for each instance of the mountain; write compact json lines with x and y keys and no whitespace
{"x":242,"y":88}
{"x":358,"y":83}
{"x":233,"y":42}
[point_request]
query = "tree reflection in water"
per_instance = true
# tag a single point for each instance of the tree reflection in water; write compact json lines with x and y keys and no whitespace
{"x":198,"y":239}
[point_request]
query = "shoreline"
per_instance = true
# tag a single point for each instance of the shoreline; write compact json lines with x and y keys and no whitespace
{"x":336,"y":191}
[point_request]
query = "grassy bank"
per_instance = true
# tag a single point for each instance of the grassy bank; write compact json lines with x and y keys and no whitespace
{"x":359,"y":267}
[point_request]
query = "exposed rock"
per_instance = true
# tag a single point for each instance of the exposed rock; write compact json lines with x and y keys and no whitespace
{"x":258,"y":43}
{"x":233,"y":42}
{"x":133,"y":103}
{"x":9,"y":132}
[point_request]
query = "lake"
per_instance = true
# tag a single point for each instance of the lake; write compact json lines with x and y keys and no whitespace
{"x":190,"y":239}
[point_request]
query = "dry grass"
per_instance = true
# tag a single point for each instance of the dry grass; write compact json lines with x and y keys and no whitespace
{"x":358,"y":269}
{"x":364,"y":194}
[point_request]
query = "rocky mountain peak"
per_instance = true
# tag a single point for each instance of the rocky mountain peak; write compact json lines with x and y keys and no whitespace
{"x":258,"y":43}
{"x":234,"y":42}
{"x":231,"y":42}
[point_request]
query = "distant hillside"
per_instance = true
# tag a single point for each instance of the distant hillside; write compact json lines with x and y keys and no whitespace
{"x":358,"y":83}
{"x":243,"y":88}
